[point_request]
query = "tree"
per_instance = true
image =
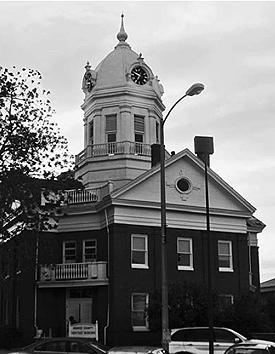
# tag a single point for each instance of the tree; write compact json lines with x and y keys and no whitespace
{"x":31,"y":149}
{"x":247,"y":315}
{"x":188,"y":306}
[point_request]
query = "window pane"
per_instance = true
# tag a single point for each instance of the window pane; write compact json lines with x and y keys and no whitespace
{"x":55,"y":346}
{"x":224,"y":336}
{"x":179,"y":336}
{"x":90,"y":251}
{"x":183,"y":260}
{"x":139,"y":302}
{"x":139,"y":310}
{"x":138,"y":257}
{"x":224,"y":261}
{"x":69,"y":252}
{"x":224,"y":248}
{"x":70,"y":245}
{"x":111,"y":138}
{"x":139,"y":243}
{"x":138,"y":138}
{"x":184,"y":246}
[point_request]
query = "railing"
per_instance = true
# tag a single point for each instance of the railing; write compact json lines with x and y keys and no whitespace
{"x":75,"y":196}
{"x":116,"y":148}
{"x":73,"y":271}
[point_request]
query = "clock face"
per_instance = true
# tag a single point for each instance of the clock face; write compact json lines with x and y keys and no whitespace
{"x":139,"y":75}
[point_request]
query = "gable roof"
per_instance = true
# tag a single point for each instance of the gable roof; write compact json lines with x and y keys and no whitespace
{"x":184,"y":164}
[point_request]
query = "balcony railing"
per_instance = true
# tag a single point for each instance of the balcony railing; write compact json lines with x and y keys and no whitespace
{"x":116,"y":148}
{"x":75,"y":196}
{"x":74,"y":271}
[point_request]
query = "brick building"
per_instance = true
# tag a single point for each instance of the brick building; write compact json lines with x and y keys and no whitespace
{"x":103,"y":261}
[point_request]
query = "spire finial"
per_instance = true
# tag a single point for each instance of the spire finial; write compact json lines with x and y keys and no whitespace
{"x":122,"y":35}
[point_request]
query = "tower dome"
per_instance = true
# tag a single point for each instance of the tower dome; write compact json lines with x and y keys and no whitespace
{"x":115,"y":69}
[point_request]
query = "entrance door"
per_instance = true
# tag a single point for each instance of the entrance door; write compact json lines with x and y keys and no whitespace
{"x":79,"y":305}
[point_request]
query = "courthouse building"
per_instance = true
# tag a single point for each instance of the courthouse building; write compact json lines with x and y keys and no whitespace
{"x":103,"y":262}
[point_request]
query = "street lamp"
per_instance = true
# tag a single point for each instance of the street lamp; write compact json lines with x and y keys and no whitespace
{"x":195,"y":89}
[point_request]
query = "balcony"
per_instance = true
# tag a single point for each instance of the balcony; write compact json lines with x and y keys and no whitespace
{"x":74,"y":196}
{"x":116,"y":148}
{"x":73,"y":274}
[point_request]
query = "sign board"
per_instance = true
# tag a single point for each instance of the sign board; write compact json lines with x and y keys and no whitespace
{"x":84,"y":330}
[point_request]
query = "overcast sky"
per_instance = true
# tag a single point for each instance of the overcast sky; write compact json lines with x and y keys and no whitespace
{"x":228,"y":46}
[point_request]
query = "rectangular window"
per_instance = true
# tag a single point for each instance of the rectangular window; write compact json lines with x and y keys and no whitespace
{"x":139,"y":311}
{"x":139,"y":125}
{"x":89,"y":251}
{"x":157,"y":132}
{"x":139,"y":128}
{"x":91,"y":132}
{"x":225,"y":301}
{"x":111,"y":128}
{"x":185,"y":253}
{"x":69,"y":252}
{"x":225,"y":256}
{"x":139,"y":251}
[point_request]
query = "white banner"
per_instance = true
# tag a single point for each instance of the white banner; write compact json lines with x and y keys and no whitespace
{"x":84,"y":330}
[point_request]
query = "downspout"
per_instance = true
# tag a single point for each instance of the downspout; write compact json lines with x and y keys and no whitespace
{"x":35,"y":285}
{"x":108,"y":272}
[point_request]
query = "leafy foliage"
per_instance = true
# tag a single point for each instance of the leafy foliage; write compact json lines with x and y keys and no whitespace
{"x":31,"y":148}
{"x":247,"y":315}
{"x":188,"y":306}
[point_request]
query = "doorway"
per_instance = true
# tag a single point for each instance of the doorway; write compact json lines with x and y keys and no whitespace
{"x":79,"y":305}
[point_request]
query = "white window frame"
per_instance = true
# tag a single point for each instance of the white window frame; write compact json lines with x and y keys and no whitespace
{"x":111,"y":127}
{"x":84,"y":247}
{"x":230,"y":255}
{"x":138,"y":265}
{"x":225,"y":296}
{"x":191,"y":264}
{"x":146,"y":326}
{"x":63,"y":251}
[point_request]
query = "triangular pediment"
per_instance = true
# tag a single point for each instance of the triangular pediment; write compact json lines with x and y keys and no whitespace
{"x":185,"y":166}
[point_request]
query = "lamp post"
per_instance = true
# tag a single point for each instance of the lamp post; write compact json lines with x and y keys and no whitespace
{"x":204,"y":147}
{"x":195,"y":89}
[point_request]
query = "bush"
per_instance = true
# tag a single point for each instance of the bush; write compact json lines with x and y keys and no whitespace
{"x":9,"y":337}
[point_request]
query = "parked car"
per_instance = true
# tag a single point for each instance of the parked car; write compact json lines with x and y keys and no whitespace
{"x":137,"y":350}
{"x":64,"y":345}
{"x":195,"y":340}
{"x":252,"y":347}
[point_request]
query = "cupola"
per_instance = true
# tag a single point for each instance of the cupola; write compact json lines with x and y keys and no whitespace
{"x":122,"y":112}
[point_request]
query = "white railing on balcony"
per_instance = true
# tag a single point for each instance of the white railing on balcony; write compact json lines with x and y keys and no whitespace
{"x":116,"y":148}
{"x":75,"y":196}
{"x":74,"y":271}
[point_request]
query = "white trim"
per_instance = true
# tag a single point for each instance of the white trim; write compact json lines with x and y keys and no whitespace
{"x":140,"y":328}
{"x":84,"y":248}
{"x":63,"y":251}
{"x":145,"y":264}
{"x":190,"y":254}
{"x":230,"y":255}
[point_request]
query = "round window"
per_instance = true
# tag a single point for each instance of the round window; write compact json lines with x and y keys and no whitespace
{"x":183,"y":185}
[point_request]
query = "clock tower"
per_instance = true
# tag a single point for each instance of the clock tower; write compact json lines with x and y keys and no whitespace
{"x":122,"y":112}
